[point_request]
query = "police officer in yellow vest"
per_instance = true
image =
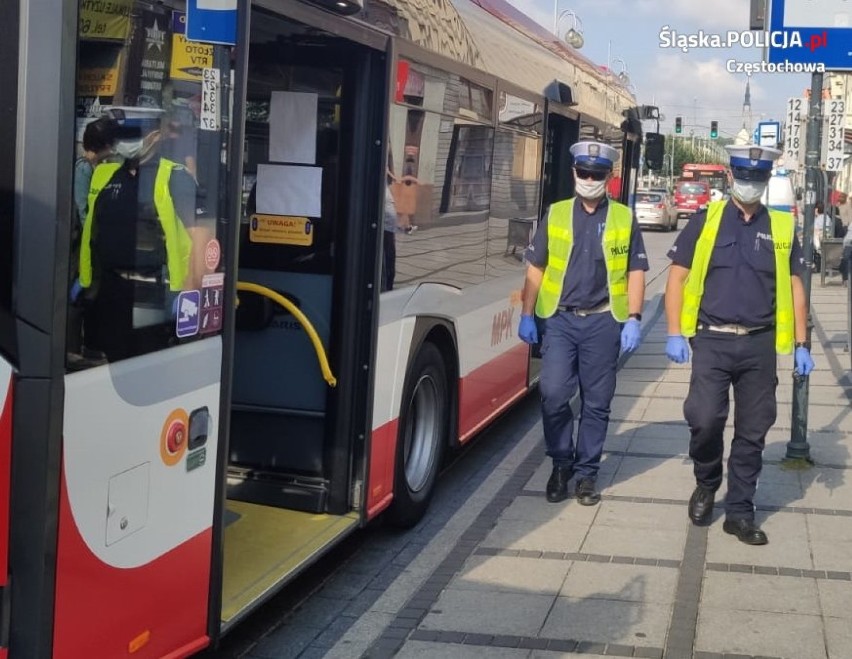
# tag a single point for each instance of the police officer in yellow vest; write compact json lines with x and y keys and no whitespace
{"x":135,"y":244}
{"x":734,"y":291}
{"x":586,"y":280}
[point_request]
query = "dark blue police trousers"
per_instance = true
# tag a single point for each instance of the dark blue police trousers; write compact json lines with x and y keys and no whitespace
{"x":578,"y":352}
{"x":749,"y":364}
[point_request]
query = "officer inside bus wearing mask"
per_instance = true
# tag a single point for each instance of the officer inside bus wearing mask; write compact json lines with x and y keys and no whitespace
{"x":735,"y":293}
{"x":586,"y":280}
{"x":136,"y":245}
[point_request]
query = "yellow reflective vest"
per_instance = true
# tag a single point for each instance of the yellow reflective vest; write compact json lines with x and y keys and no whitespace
{"x":178,"y":240}
{"x":616,"y":250}
{"x":783,"y":228}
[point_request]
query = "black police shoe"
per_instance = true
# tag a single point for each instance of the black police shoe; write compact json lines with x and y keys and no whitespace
{"x":701,"y":505}
{"x":746,"y":531}
{"x":585,"y":492}
{"x":557,"y":484}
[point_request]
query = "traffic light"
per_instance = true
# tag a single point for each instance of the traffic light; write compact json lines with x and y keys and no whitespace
{"x":655,"y":147}
{"x":714,"y":129}
{"x":678,"y":124}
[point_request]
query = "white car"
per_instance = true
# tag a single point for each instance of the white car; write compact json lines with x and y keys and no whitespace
{"x":653,"y":209}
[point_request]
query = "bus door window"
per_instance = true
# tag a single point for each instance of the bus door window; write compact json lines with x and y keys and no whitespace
{"x":291,"y":164}
{"x":558,"y":177}
{"x":297,"y":98}
{"x":146,"y":270}
{"x":515,"y":181}
{"x":441,"y":132}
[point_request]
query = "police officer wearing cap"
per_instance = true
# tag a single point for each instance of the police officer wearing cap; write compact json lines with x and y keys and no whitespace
{"x":586,"y":280}
{"x":735,"y":292}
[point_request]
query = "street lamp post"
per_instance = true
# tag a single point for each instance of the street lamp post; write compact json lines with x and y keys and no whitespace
{"x":623,"y":77}
{"x":574,"y":36}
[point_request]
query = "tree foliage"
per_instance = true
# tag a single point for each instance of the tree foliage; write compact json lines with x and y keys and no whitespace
{"x":683,"y":152}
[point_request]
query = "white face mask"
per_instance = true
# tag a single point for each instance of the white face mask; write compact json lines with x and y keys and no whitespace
{"x":590,"y":189}
{"x":748,"y":192}
{"x":129,"y":149}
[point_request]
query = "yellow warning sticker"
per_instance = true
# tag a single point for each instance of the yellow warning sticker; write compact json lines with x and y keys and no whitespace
{"x":281,"y":230}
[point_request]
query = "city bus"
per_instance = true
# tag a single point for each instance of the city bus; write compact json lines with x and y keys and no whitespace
{"x":716,"y":176}
{"x":222,"y":354}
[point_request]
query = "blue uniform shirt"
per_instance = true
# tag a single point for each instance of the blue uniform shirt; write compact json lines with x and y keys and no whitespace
{"x":740,"y":284}
{"x":585,"y":284}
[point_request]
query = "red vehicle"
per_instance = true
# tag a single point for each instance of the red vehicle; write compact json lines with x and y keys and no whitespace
{"x":691,"y":196}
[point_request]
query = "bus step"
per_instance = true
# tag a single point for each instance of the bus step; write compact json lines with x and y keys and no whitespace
{"x":277,"y":490}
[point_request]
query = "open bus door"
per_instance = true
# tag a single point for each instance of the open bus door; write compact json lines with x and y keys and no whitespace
{"x":631,"y":150}
{"x":143,"y":358}
{"x":562,"y":128}
{"x":117,"y":394}
{"x":309,"y":231}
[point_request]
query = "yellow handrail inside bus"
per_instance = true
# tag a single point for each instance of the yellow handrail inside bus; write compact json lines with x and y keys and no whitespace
{"x":327,"y":375}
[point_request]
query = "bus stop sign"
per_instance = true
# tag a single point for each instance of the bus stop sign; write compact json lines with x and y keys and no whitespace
{"x":824,"y":28}
{"x":212,"y":21}
{"x":769,"y":133}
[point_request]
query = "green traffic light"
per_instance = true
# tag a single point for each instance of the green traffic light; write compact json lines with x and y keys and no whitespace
{"x":714,"y":129}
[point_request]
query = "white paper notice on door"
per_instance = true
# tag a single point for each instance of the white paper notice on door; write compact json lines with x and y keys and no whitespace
{"x":289,"y":190}
{"x":293,"y":127}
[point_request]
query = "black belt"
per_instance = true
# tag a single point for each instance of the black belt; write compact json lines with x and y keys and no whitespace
{"x":601,"y":308}
{"x":737,"y":330}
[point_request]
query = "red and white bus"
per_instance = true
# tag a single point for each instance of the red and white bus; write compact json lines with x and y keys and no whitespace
{"x":716,"y":176}
{"x":174,"y":450}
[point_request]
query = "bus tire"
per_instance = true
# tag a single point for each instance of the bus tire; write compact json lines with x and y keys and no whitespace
{"x":422,"y":436}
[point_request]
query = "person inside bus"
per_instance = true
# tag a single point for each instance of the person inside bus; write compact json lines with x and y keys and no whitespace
{"x":586,"y":280}
{"x":98,"y":140}
{"x":137,"y":243}
{"x":735,"y":295}
{"x":97,"y":143}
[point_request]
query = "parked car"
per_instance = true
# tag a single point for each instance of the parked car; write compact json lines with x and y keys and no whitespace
{"x":654,"y":209}
{"x":691,"y":196}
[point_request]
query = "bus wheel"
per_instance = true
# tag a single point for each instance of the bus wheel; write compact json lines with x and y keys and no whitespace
{"x":421,"y":438}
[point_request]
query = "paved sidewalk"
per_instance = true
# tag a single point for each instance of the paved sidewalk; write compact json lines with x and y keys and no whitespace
{"x":517,"y":577}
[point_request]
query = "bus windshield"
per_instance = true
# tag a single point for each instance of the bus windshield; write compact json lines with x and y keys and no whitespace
{"x":716,"y":176}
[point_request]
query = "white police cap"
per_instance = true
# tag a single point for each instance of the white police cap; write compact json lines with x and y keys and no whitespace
{"x":594,"y":155}
{"x":752,"y":156}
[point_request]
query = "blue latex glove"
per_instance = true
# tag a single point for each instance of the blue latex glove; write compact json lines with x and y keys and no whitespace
{"x":677,"y":349}
{"x":631,"y":335}
{"x":804,"y":361}
{"x":76,"y":290}
{"x":527,"y":330}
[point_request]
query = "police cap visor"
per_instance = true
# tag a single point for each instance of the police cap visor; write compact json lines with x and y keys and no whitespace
{"x":751,"y":174}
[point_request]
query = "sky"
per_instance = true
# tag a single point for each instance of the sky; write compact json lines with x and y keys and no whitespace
{"x":695,"y":85}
